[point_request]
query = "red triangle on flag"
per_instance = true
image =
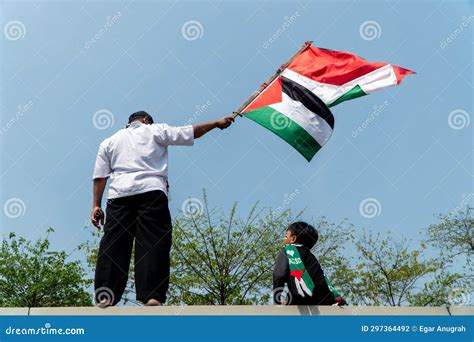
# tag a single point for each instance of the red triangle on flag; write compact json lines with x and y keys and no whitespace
{"x":297,"y":274}
{"x":401,"y":72}
{"x":272,"y":94}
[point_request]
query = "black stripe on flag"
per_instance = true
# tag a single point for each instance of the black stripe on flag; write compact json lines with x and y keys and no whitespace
{"x":299,"y":93}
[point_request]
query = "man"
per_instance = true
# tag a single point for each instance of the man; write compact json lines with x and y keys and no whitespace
{"x":136,"y":160}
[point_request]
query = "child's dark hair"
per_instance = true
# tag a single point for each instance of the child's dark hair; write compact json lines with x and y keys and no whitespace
{"x":305,"y":233}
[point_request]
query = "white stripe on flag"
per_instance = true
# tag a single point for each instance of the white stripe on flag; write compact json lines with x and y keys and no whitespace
{"x":311,"y":122}
{"x":378,"y":79}
{"x":326,"y":92}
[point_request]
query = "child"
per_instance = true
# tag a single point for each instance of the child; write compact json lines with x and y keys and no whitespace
{"x":299,"y":269}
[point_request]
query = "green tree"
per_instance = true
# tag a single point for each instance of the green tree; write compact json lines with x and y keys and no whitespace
{"x":31,"y":275}
{"x":385,"y":271}
{"x":220,"y":258}
{"x":454,"y":234}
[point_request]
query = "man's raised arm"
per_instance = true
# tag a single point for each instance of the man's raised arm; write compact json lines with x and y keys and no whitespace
{"x":222,"y":123}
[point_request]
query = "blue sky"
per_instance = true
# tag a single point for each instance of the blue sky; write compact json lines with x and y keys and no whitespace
{"x":69,"y":60}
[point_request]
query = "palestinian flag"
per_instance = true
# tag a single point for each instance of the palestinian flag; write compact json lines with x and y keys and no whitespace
{"x":295,"y":105}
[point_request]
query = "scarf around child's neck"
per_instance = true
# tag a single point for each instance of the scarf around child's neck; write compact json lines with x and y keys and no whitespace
{"x":304,"y":283}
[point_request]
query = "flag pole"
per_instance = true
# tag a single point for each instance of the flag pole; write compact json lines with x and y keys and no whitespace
{"x":254,"y":95}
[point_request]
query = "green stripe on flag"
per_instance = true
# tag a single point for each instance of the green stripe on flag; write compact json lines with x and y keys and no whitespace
{"x":350,"y":95}
{"x":287,"y":129}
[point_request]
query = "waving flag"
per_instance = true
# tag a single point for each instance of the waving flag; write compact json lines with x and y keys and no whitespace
{"x":295,"y":103}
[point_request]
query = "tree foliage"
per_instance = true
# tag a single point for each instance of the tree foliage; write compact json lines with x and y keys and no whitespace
{"x":31,"y":275}
{"x":220,"y":258}
{"x":454,"y":234}
{"x":385,"y":271}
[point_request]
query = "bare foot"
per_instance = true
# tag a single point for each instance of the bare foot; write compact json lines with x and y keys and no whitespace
{"x":153,"y":302}
{"x":103,"y":303}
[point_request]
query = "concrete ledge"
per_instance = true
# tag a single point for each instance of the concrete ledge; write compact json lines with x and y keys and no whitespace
{"x":243,"y":311}
{"x":461,"y":310}
{"x":14,"y":311}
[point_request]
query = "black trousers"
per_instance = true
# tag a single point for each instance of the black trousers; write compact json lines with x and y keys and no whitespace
{"x":146,"y":219}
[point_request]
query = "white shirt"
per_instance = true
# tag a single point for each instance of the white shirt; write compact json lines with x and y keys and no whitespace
{"x":136,"y":158}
